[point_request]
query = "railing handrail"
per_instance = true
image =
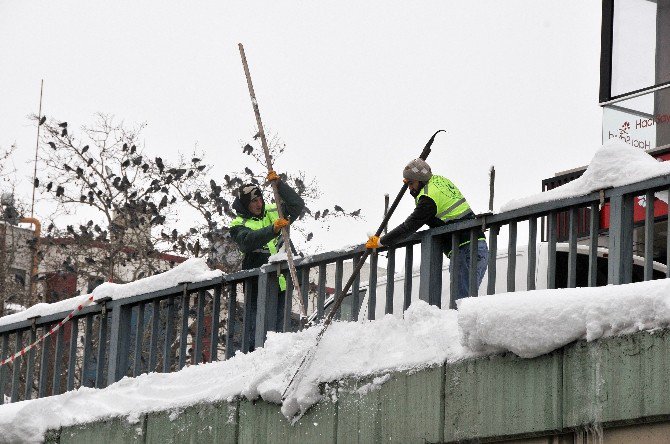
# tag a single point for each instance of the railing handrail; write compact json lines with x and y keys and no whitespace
{"x":495,"y":219}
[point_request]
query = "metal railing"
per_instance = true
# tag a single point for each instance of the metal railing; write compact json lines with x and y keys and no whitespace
{"x":211,"y":320}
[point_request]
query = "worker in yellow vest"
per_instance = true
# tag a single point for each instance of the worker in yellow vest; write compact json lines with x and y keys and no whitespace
{"x":257,"y":232}
{"x":438,"y":202}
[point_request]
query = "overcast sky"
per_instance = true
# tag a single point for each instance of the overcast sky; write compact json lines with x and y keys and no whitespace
{"x":353,"y":88}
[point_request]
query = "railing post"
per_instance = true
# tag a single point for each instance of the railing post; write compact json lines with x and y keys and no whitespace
{"x":409,"y":262}
{"x":430,"y":284}
{"x":572,"y":248}
{"x":183,"y":332}
{"x":372,"y":287}
{"x":390,"y":284}
{"x":153,"y":343}
{"x":230,"y":324}
{"x":511,"y":258}
{"x":200,"y":327}
{"x":321,"y":292}
{"x":169,"y":334}
{"x":551,"y":250}
{"x":16,"y":367}
{"x":139,"y":332}
{"x":30,"y":367}
{"x":532,"y":253}
{"x":214,"y":332}
{"x":339,"y":276}
{"x":594,"y":223}
{"x":58,"y":363}
{"x":649,"y":237}
{"x":72,"y":358}
{"x":86,"y":380}
{"x":454,"y":271}
{"x":620,"y":264}
{"x":44,"y":364}
{"x":493,"y":254}
{"x":250,"y":308}
{"x":119,"y":343}
{"x":355,"y":292}
{"x":472,"y":274}
{"x":3,"y":369}
{"x":102,"y":345}
{"x":266,"y":314}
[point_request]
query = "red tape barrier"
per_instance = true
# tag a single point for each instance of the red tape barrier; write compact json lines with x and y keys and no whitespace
{"x":47,"y":334}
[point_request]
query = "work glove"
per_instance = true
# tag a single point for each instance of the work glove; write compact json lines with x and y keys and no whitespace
{"x":373,"y":243}
{"x":279,"y":224}
{"x":272,"y":175}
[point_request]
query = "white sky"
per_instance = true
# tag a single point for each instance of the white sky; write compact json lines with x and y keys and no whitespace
{"x":354,"y":88}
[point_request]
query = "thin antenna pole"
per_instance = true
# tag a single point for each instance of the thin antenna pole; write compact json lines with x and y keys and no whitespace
{"x":37,"y":146}
{"x":386,"y":210}
{"x":492,"y":181}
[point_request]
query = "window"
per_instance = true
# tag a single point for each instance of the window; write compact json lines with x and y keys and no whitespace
{"x":19,"y":277}
{"x":635,"y":72}
{"x":60,"y":285}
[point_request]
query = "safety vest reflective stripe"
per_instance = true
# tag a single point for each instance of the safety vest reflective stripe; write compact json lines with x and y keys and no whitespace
{"x":450,"y":203}
{"x":451,"y":208}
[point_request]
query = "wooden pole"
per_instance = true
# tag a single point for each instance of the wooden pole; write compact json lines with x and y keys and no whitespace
{"x":275,"y":189}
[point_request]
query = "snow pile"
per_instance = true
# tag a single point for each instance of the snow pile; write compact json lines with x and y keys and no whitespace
{"x":191,"y":270}
{"x":426,"y":336}
{"x":532,"y":323}
{"x":278,"y":257}
{"x":614,"y":164}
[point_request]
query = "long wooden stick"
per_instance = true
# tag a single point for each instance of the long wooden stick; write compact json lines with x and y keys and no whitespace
{"x":275,"y":188}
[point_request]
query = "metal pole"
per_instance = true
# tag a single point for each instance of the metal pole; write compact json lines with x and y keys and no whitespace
{"x":386,"y":210}
{"x":492,"y":181}
{"x":275,"y":189}
{"x":37,"y":145}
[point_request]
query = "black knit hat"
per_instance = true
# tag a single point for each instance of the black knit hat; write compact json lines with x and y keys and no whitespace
{"x":247,"y":193}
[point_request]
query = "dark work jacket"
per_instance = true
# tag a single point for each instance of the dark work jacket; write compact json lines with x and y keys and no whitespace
{"x":424,"y":214}
{"x":253,"y":242}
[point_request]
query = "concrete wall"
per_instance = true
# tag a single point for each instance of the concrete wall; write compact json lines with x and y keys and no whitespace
{"x":614,"y":390}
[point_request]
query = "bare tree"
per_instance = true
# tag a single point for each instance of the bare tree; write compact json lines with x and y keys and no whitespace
{"x":211,"y":196}
{"x":15,"y":244}
{"x":118,"y":195}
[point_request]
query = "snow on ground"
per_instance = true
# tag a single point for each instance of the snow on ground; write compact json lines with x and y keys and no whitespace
{"x":526,"y":323}
{"x":614,"y":164}
{"x":191,"y":270}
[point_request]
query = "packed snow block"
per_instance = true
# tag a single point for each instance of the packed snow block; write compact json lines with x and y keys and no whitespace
{"x":114,"y":430}
{"x":358,"y":411}
{"x":262,"y":422}
{"x":617,"y":380}
{"x":412,"y":406}
{"x":200,"y":423}
{"x":502,"y":395}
